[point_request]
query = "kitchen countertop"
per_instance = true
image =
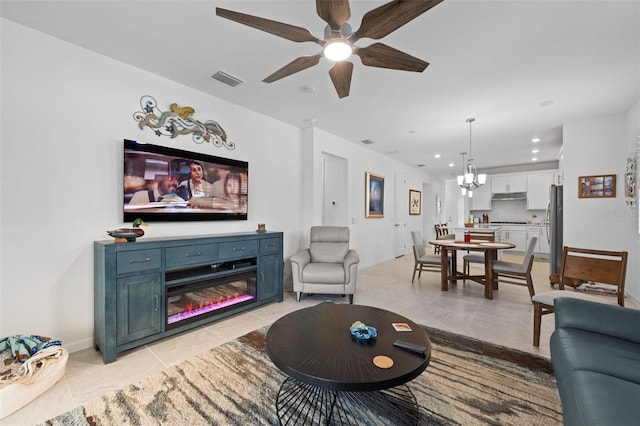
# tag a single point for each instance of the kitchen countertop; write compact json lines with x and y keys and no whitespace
{"x":493,"y":227}
{"x":490,"y":228}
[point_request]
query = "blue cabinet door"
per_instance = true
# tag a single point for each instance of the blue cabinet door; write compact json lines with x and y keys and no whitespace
{"x":269,"y":279}
{"x":139,"y":310}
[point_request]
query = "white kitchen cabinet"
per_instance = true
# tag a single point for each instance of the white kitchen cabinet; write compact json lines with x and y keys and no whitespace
{"x":533,"y":231}
{"x":515,"y":235}
{"x":538,"y":185}
{"x":505,"y":184}
{"x":481,"y":199}
{"x":542,"y":247}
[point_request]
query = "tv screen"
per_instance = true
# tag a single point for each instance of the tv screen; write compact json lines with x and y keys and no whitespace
{"x":167,"y":184}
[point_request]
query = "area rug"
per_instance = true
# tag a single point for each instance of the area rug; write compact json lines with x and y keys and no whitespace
{"x":468,"y":382}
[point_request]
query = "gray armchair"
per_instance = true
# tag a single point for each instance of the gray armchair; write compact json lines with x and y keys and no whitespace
{"x":328,"y":266}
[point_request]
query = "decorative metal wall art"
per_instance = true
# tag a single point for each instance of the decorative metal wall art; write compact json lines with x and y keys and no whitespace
{"x":179,"y":121}
{"x":630,"y":180}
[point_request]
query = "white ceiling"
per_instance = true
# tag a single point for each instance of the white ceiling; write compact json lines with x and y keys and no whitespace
{"x":521,"y":68}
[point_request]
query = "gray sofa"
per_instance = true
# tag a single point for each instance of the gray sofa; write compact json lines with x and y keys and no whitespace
{"x":595,"y":351}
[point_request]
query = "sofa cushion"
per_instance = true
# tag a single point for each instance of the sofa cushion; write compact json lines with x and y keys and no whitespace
{"x":324,"y":273}
{"x":590,"y":398}
{"x":573,"y":349}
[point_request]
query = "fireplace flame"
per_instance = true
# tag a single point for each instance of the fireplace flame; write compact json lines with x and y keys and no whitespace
{"x":193,"y":309}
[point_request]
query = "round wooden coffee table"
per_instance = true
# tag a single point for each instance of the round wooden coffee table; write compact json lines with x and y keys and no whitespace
{"x":332,"y":376}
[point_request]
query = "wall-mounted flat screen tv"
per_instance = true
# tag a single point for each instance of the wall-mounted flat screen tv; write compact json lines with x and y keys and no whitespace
{"x":167,"y":184}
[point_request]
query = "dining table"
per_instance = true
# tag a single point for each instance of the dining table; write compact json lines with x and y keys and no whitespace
{"x":449,"y":269}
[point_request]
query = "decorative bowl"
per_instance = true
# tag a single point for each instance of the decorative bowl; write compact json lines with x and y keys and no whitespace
{"x":363,"y":332}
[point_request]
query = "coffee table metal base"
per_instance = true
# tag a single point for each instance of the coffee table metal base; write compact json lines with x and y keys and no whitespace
{"x":303,"y":403}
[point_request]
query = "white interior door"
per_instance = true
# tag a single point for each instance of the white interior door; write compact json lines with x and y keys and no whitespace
{"x":401,"y":204}
{"x":335,"y":208}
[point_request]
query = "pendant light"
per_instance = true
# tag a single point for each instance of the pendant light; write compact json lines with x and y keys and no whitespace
{"x":470,"y":179}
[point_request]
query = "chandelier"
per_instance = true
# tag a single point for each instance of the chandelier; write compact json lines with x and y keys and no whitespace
{"x":470,"y":179}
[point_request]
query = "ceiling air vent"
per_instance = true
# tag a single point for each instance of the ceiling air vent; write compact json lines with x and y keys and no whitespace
{"x":227,"y":79}
{"x":367,"y":142}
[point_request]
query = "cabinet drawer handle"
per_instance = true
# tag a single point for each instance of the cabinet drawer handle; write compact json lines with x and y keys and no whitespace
{"x":241,"y":249}
{"x":148,"y":259}
{"x":193,"y":254}
{"x":156,"y":301}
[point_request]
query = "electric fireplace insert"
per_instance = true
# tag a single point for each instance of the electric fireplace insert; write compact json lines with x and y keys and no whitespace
{"x":191,"y":300}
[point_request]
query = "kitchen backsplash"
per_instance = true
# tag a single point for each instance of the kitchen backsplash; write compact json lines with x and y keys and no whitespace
{"x":511,"y":211}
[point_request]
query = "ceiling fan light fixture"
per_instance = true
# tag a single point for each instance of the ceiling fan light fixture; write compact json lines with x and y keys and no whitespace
{"x":337,"y":50}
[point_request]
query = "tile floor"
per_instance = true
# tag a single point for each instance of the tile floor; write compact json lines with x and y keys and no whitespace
{"x":506,"y":320}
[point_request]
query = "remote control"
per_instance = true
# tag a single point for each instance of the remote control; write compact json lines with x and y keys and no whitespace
{"x":410,"y":347}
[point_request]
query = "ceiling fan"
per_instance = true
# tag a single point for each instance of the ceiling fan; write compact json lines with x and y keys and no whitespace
{"x":339,"y":38}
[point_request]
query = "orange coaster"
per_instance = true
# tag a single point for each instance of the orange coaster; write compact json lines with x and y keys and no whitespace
{"x":382,"y":361}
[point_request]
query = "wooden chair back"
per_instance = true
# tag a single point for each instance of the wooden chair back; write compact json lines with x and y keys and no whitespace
{"x":599,"y":266}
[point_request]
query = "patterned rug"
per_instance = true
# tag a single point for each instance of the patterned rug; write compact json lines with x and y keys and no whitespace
{"x":468,"y":382}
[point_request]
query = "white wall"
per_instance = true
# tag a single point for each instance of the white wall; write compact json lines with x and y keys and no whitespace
{"x":633,"y":145}
{"x":65,"y":113}
{"x":373,"y":238}
{"x":600,"y":145}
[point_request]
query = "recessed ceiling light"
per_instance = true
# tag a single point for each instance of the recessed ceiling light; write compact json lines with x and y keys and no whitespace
{"x":451,"y":164}
{"x":436,"y":156}
{"x":534,"y":159}
{"x":535,"y":151}
{"x":535,"y":140}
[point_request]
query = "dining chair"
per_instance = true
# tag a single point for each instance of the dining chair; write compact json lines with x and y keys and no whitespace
{"x":581,"y":265}
{"x":475,"y":257}
{"x":517,"y":273}
{"x":423,"y":261}
{"x":442,"y":233}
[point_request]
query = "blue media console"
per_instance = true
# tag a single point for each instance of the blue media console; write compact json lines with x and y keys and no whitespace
{"x":153,"y":288}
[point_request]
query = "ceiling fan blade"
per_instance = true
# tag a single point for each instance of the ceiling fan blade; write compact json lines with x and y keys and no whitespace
{"x":340,"y":75}
{"x":382,"y":56}
{"x":302,"y":63}
{"x":334,"y":12}
{"x":387,"y":18}
{"x":287,"y":31}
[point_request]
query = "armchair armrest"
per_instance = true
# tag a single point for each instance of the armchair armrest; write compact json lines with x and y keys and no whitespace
{"x":298,"y":262}
{"x":612,"y":320}
{"x":351,"y":258}
{"x":301,"y":258}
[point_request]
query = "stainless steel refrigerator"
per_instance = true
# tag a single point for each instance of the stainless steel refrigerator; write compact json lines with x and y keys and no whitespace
{"x":554,"y":230}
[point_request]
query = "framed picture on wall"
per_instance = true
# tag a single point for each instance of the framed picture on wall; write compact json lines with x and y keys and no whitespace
{"x":374,"y":195}
{"x":415,"y":202}
{"x":601,"y":186}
